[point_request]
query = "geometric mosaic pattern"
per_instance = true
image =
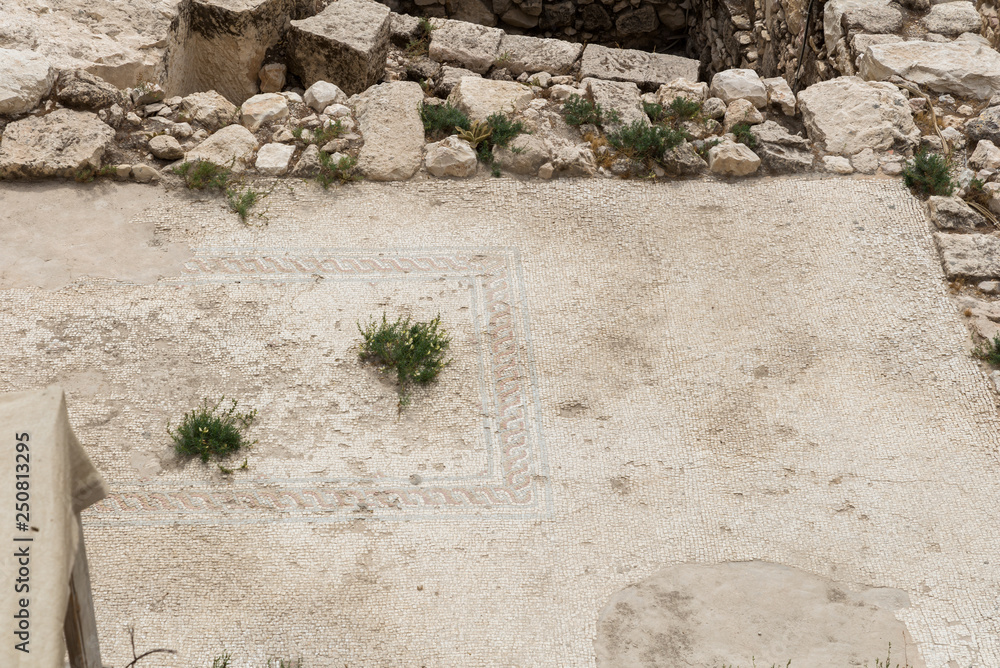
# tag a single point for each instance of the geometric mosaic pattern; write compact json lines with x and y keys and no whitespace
{"x":513,"y":484}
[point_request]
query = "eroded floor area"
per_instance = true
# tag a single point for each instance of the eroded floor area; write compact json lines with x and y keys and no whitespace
{"x":643,"y":375}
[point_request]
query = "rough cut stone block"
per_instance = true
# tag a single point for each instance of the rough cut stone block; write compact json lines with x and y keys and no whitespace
{"x":220,"y":45}
{"x":263,"y":108}
{"x":739,"y":84}
{"x":731,"y":159}
{"x":952,"y":213}
{"x":533,"y":54}
{"x":833,"y":12}
{"x":25,"y":78}
{"x":953,"y":19}
{"x":233,"y":146}
{"x":848,"y":115}
{"x":345,"y":44}
{"x":209,"y":109}
{"x":451,"y":157}
{"x":479,"y":97}
{"x":56,"y":144}
{"x":79,"y":89}
{"x":969,"y":255}
{"x":622,"y":96}
{"x":961,"y":68}
{"x":389,"y":118}
{"x":274,"y":159}
{"x":472,"y":46}
{"x":647,"y":70}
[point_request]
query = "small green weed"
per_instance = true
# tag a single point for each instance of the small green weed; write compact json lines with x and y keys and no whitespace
{"x":84,"y":174}
{"x":284,"y":663}
{"x":655,"y":111}
{"x":929,"y":174}
{"x":343,"y":171}
{"x":330,"y":132}
{"x":201,"y":175}
{"x":222,"y":661}
{"x":684,"y":109}
{"x":415,"y":350}
{"x":242,"y":202}
{"x":502,"y":129}
{"x":707,"y":146}
{"x":441,"y":120}
{"x":989,"y":351}
{"x":645,"y":142}
{"x":419,"y":46}
{"x":208,"y":431}
{"x":579,"y":111}
{"x":495,"y":170}
{"x":503,"y":59}
{"x":744,"y":136}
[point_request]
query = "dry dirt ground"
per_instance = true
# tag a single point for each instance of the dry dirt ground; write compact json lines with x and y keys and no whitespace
{"x":643,"y":375}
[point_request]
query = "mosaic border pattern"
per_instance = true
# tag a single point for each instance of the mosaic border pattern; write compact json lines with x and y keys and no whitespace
{"x":518,"y":490}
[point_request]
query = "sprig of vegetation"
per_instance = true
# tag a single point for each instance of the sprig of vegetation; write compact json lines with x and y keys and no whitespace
{"x":441,"y":120}
{"x":203,"y":175}
{"x":744,"y":136}
{"x":684,"y":109}
{"x":580,"y":111}
{"x":640,"y":141}
{"x":419,"y":46}
{"x":208,"y":431}
{"x":414,"y":350}
{"x":242,"y":202}
{"x":989,"y":351}
{"x":343,"y":171}
{"x":929,"y":174}
{"x":502,"y":129}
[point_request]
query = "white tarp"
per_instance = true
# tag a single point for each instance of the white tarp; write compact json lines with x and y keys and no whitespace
{"x":46,"y":478}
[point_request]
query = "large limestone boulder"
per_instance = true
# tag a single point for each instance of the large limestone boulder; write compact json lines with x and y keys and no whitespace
{"x":969,"y":255}
{"x":732,"y":159}
{"x":534,"y":54}
{"x":220,"y":45}
{"x":470,"y":46}
{"x":209,"y":109}
{"x":261,"y":109}
{"x":953,"y":18}
{"x":233,"y":146}
{"x":57,"y":144}
{"x":79,"y":89}
{"x":451,"y":157}
{"x":479,"y":97}
{"x":965,"y":68}
{"x":833,"y":13}
{"x":389,"y":119}
{"x":345,"y":44}
{"x":166,"y":147}
{"x":647,"y":70}
{"x":739,"y":84}
{"x":847,"y":115}
{"x":622,"y":96}
{"x":25,"y":78}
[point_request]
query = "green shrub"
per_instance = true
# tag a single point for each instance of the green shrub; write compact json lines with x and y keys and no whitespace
{"x":441,"y":120}
{"x":201,"y":175}
{"x":647,"y":142}
{"x":744,"y":135}
{"x":503,"y":130}
{"x":418,"y":46}
{"x":928,"y":174}
{"x":654,"y":111}
{"x":414,"y":350}
{"x":989,"y":351}
{"x":684,"y":109}
{"x":343,"y":171}
{"x":242,"y":202}
{"x":208,"y":431}
{"x":580,"y":111}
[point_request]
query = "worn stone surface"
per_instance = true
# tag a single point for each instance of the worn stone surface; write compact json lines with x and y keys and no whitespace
{"x":143,"y":173}
{"x":739,"y":84}
{"x":784,"y":159}
{"x":220,"y":45}
{"x":525,"y":155}
{"x":451,"y":157}
{"x":771,"y":132}
{"x":961,"y":68}
{"x":478,"y":97}
{"x":741,"y":111}
{"x":274,"y":159}
{"x":389,"y":118}
{"x":56,"y":144}
{"x":345,"y":44}
{"x":732,"y":159}
{"x":450,"y":76}
{"x":166,"y":147}
{"x":833,"y":12}
{"x":953,"y":214}
{"x":233,"y":146}
{"x":25,"y":78}
{"x":985,"y":156}
{"x":779,"y":94}
{"x":308,"y":163}
{"x":953,"y":18}
{"x":696,"y":91}
{"x":984,"y":126}
{"x":647,"y":70}
{"x":969,"y":255}
{"x":683,"y":160}
{"x":847,"y":115}
{"x":622,"y":96}
{"x":468,"y":45}
{"x":272,"y":77}
{"x":322,"y":94}
{"x":79,"y":89}
{"x":731,"y":308}
{"x":717,"y":614}
{"x":209,"y":109}
{"x":261,"y":109}
{"x":872,"y":18}
{"x":533,"y":54}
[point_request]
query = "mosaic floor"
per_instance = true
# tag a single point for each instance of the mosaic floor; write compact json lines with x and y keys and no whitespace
{"x":642,"y":375}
